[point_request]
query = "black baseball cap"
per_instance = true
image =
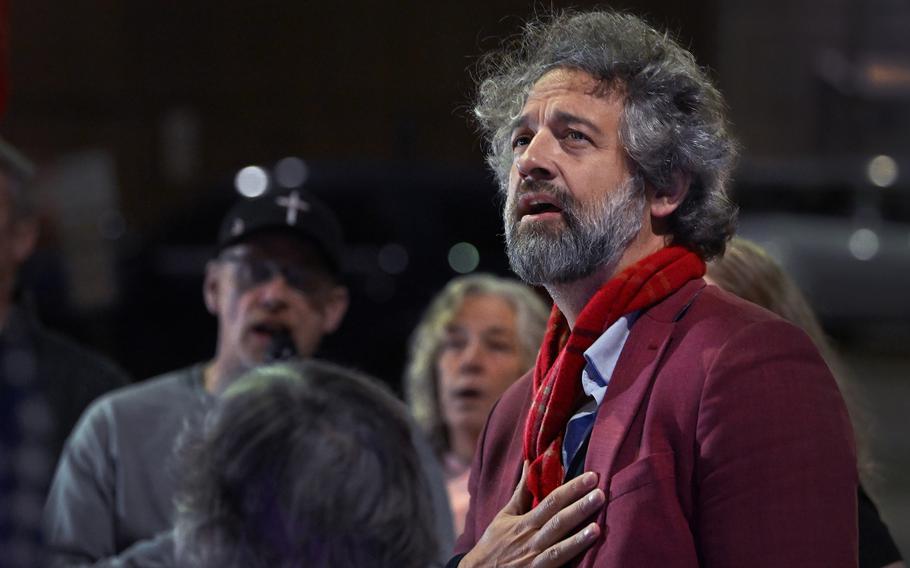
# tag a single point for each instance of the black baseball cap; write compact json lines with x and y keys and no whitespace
{"x":292,"y":211}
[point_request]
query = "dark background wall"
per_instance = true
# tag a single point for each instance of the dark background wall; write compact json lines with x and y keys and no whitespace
{"x":356,"y":80}
{"x":139,"y":114}
{"x":174,"y":97}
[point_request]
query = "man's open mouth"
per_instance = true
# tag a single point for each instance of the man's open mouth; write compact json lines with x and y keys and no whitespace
{"x":537,"y":204}
{"x":269,"y":329}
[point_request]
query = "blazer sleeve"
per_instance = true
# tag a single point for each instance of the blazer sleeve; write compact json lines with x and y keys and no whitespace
{"x":776,"y":471}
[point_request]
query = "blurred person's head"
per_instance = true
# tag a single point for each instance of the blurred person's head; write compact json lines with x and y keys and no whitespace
{"x":276,"y":277}
{"x":303,"y":464}
{"x":479,"y":334}
{"x":18,"y":225}
{"x":614,"y":134}
{"x":748,"y":271}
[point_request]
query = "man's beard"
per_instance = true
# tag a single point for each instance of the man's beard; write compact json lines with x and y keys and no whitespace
{"x":593,"y":236}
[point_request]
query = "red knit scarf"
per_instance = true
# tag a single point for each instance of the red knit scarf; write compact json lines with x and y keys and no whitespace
{"x":557,"y":374}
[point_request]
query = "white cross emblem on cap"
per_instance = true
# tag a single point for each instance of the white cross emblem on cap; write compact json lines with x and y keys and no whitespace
{"x":293,"y":203}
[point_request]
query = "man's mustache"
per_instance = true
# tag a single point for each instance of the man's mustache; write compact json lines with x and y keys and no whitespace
{"x":564,"y":199}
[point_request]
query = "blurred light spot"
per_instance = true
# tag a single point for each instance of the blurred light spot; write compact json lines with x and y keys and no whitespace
{"x":180,"y":144}
{"x":112,"y":225}
{"x":291,"y":172}
{"x":464,"y":258}
{"x":882,"y":171}
{"x":251,"y":181}
{"x":888,"y":75}
{"x":393,"y":258}
{"x":863,"y":244}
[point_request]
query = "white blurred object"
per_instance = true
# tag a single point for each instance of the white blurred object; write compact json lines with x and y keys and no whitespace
{"x":78,"y":193}
{"x":847,"y":271}
{"x":882,"y":171}
{"x":291,"y":172}
{"x":251,"y":181}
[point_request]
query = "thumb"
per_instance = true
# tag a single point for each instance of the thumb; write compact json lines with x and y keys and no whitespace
{"x":520,"y":502}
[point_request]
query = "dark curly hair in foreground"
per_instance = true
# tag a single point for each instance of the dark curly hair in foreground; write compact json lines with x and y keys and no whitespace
{"x":303,"y":465}
{"x":673,"y":121}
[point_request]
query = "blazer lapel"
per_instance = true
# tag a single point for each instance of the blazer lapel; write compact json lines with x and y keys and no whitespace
{"x":632,"y":379}
{"x":630,"y":382}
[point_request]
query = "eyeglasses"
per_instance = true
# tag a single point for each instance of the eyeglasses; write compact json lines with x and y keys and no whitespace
{"x":253,"y":271}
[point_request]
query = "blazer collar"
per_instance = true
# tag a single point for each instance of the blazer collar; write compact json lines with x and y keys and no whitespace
{"x":633,"y":376}
{"x":673,"y":307}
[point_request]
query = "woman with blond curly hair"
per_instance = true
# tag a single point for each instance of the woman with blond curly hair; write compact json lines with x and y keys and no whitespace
{"x":479,"y":335}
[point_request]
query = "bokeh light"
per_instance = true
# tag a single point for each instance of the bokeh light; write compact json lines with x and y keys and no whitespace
{"x":393,"y":258}
{"x":863,"y":244}
{"x":464,"y":258}
{"x":291,"y":172}
{"x":882,"y":171}
{"x":251,"y":181}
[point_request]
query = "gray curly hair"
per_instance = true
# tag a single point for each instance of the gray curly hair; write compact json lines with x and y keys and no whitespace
{"x":673,"y":119}
{"x":421,"y":380}
{"x":303,"y":463}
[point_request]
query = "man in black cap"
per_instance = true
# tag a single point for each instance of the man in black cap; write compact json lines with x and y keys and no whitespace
{"x":263,"y":317}
{"x":275,"y":288}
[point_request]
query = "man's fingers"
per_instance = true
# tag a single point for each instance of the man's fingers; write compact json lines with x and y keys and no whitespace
{"x":520,"y":501}
{"x":568,"y":519}
{"x":562,"y":497}
{"x":567,"y":549}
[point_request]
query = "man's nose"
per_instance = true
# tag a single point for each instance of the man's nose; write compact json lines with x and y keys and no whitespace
{"x":536,"y":160}
{"x":274,"y":292}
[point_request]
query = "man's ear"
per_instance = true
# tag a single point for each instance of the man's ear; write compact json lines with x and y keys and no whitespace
{"x":25,"y":237}
{"x":334,"y":309}
{"x":210,"y":287}
{"x":664,"y":202}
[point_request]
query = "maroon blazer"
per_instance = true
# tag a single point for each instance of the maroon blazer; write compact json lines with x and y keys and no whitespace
{"x":722,"y":441}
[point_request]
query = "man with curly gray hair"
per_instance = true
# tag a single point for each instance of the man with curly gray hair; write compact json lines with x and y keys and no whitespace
{"x":666,"y":423}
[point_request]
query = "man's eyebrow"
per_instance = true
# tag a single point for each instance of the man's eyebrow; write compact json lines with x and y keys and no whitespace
{"x":569,"y":118}
{"x":560,"y":116}
{"x":518,"y":122}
